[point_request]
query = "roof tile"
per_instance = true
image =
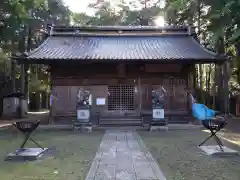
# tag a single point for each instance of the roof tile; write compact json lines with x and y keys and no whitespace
{"x":121,"y":47}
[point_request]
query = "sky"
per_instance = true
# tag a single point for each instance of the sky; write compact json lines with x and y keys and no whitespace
{"x":79,"y":5}
{"x":82,"y":6}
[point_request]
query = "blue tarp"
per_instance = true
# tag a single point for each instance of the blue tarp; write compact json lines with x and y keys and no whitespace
{"x":202,"y":112}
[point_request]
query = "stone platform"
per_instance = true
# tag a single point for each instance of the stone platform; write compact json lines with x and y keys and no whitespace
{"x":215,"y":150}
{"x":26,"y":154}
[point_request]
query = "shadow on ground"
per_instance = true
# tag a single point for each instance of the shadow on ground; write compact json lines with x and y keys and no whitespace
{"x":179,"y":158}
{"x":71,"y":158}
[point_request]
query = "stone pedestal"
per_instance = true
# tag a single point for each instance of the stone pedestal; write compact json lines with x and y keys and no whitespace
{"x":83,"y":122}
{"x":215,"y":150}
{"x":158,"y":123}
{"x":82,"y":127}
{"x":158,"y":128}
{"x":26,"y":154}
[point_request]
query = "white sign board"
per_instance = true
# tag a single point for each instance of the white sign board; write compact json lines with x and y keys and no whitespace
{"x":83,"y":114}
{"x":100,"y":101}
{"x":158,"y":113}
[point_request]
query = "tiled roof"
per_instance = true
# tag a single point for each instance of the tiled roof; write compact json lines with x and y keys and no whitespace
{"x":96,"y":45}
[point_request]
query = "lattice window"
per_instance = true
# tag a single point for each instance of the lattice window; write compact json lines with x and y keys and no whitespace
{"x":121,"y":98}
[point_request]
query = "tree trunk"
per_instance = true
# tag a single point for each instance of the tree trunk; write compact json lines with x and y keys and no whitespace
{"x":208,"y":84}
{"x":221,"y":50}
{"x":47,"y":99}
{"x":22,"y":46}
{"x":13,"y":74}
{"x":214,"y":86}
{"x":201,"y":82}
{"x":38,"y":100}
{"x":198,"y":33}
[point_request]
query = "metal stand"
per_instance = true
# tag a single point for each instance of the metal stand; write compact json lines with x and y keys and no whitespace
{"x":214,"y":125}
{"x":27,"y":137}
{"x":27,"y":153}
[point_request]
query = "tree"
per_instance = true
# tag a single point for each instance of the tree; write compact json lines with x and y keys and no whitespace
{"x":23,"y":24}
{"x":219,"y":29}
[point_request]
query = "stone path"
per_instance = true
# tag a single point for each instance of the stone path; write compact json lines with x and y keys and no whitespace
{"x":123,"y":156}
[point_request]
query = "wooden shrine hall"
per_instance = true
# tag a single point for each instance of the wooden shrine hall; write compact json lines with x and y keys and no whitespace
{"x":121,"y":65}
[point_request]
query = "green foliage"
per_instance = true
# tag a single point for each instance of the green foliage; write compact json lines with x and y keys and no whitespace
{"x":4,"y":63}
{"x":218,"y":20}
{"x":21,"y":25}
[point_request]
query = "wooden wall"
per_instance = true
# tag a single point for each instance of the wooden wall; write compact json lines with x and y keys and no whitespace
{"x":66,"y":80}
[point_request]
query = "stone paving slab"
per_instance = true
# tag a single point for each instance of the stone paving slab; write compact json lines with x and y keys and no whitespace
{"x":123,"y":156}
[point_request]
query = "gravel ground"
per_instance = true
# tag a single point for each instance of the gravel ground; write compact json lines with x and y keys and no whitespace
{"x":180,"y":159}
{"x":71,"y":160}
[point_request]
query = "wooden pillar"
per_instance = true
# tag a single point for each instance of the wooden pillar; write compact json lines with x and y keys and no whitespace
{"x":191,"y":75}
{"x":140,"y":93}
{"x":191,"y":87}
{"x":194,"y":76}
{"x":51,"y":102}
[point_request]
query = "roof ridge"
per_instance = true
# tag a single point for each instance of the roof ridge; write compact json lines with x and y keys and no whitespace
{"x":124,"y":27}
{"x":73,"y":30}
{"x":99,"y":34}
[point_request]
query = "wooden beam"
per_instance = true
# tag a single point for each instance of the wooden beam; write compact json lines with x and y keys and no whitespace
{"x":121,"y":68}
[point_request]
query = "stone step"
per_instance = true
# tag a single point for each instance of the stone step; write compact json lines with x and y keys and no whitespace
{"x":120,"y":117}
{"x":178,"y":120}
{"x":120,"y":125}
{"x":121,"y":121}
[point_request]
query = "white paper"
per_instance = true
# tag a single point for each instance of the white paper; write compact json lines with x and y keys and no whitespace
{"x":101,"y":101}
{"x":158,"y":113}
{"x":83,"y":114}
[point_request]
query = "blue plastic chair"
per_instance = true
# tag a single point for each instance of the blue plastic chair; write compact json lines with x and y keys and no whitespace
{"x":202,"y":112}
{"x":209,"y":120}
